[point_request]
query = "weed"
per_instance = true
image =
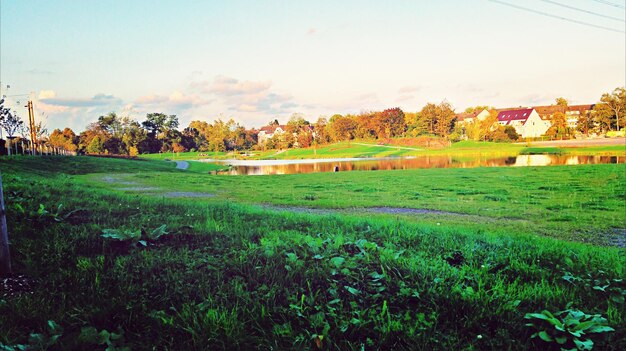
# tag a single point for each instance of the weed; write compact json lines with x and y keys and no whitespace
{"x":570,"y":331}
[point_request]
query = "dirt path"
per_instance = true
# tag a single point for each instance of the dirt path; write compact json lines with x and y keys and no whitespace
{"x":182,"y":165}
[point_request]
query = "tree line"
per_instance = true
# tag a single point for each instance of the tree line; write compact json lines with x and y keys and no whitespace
{"x":159,"y":132}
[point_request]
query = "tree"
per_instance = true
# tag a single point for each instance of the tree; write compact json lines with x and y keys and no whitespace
{"x":436,"y":119}
{"x":133,"y":135}
{"x":560,"y":127}
{"x":584,"y":123}
{"x":342,"y":128}
{"x":322,"y":136}
{"x":562,"y":103}
{"x":65,"y":139}
{"x":511,"y":133}
{"x":10,"y":122}
{"x":602,"y":117}
{"x":391,"y":123}
{"x":177,"y":148}
{"x":161,"y":130}
{"x":96,"y":145}
{"x":616,"y":102}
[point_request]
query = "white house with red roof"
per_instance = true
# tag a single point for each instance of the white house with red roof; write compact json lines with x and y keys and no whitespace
{"x":268,"y":132}
{"x":526,"y":121}
{"x":471,"y":117}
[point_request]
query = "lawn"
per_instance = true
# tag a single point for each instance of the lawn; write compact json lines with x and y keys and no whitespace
{"x":363,"y":149}
{"x":584,"y":203}
{"x":226,"y":274}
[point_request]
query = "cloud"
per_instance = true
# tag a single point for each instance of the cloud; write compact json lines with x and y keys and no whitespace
{"x":174,"y":103}
{"x":227,"y":86}
{"x":46,"y":94}
{"x":49,"y":97}
{"x":246,"y":96}
{"x":405,"y":98}
{"x":409,"y":89}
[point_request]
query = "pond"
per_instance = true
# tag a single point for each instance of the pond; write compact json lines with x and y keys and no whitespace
{"x":267,"y":167}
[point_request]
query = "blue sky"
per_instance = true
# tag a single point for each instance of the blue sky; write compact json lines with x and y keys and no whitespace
{"x":259,"y":60}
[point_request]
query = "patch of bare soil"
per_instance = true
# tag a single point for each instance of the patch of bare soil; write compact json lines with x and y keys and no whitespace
{"x":416,"y":211}
{"x":113,"y":180}
{"x":618,"y":237}
{"x":139,"y":188}
{"x":178,"y":194}
{"x":301,"y":209}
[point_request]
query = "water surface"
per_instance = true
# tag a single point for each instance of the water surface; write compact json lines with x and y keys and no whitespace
{"x":267,"y":167}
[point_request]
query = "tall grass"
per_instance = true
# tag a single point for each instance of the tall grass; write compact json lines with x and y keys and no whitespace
{"x":232,"y":276}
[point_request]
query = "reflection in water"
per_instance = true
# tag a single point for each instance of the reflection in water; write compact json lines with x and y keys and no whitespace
{"x":270,"y":167}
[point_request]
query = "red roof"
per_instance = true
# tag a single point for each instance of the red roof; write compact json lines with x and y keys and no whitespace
{"x":506,"y":116}
{"x":466,"y":115}
{"x":271,"y":129}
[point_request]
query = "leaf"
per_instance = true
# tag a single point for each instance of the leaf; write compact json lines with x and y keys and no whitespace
{"x":337,"y":261}
{"x":617,"y":299}
{"x":42,"y":210}
{"x":561,"y":340}
{"x":158,"y":232}
{"x":318,"y":257}
{"x":600,"y":329}
{"x":143,"y":242}
{"x":584,"y":345}
{"x":537,"y":316}
{"x":89,"y":334}
{"x":545,"y":336}
{"x":352,"y":290}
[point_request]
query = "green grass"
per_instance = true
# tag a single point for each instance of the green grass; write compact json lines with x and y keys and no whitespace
{"x":204,"y":167}
{"x":235,"y":276}
{"x":364,"y":149}
{"x":583,"y":203}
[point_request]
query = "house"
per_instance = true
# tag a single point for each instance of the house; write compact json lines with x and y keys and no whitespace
{"x":268,"y":132}
{"x":526,"y":121}
{"x":571,"y":112}
{"x":471,"y":117}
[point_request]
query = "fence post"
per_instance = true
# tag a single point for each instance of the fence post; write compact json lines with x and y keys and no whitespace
{"x":5,"y":256}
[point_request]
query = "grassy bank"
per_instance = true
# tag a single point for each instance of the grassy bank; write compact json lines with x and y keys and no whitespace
{"x":232,"y":276}
{"x":363,"y":149}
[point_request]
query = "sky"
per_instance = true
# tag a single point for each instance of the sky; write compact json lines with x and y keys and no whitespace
{"x":255,"y":61}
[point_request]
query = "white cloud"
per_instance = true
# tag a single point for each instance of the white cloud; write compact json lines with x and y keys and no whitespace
{"x":47,"y":94}
{"x":247,"y":96}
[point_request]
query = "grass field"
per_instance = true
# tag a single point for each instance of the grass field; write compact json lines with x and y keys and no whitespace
{"x":584,"y":203}
{"x":233,"y":275}
{"x":369,"y":149}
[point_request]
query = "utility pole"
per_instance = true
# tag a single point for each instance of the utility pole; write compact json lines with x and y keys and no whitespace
{"x":5,"y":256}
{"x":31,"y":120}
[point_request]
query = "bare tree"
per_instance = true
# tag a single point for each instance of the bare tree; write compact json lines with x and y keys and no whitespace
{"x":10,"y":122}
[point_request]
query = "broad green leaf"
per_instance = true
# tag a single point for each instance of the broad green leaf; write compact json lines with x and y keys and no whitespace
{"x":337,"y":261}
{"x":584,"y":344}
{"x":561,"y":340}
{"x":352,"y":290}
{"x":158,"y":232}
{"x":600,"y":329}
{"x":545,"y":336}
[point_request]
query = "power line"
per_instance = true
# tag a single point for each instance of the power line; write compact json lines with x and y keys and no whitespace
{"x":556,"y":16}
{"x":583,"y":10}
{"x":609,"y":3}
